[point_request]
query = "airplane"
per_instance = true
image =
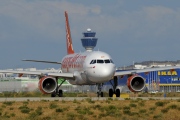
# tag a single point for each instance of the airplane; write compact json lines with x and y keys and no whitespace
{"x":86,"y":68}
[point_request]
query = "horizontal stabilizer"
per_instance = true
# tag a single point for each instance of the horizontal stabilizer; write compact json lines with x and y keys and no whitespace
{"x":43,"y":61}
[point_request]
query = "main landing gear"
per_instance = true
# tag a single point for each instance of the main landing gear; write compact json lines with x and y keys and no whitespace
{"x":114,"y":90}
{"x":58,"y":91}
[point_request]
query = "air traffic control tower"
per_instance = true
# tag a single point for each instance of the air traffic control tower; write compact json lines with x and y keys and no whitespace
{"x":89,"y":41}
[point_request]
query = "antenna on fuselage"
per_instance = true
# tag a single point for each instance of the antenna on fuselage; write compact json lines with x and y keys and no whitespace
{"x":89,"y":41}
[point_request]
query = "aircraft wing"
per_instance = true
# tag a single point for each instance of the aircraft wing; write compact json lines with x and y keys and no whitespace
{"x":39,"y":73}
{"x":42,"y":61}
{"x":129,"y":72}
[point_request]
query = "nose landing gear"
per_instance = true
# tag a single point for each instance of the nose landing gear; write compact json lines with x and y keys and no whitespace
{"x":100,"y":93}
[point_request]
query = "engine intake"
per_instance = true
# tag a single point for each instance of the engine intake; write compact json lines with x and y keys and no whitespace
{"x":47,"y":84}
{"x":136,"y":83}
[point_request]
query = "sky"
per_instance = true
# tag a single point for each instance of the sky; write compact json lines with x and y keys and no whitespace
{"x":129,"y":30}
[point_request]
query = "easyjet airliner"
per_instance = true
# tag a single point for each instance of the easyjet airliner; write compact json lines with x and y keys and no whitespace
{"x":87,"y":68}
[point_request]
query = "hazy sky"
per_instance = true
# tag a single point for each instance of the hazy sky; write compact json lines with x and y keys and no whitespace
{"x":129,"y":30}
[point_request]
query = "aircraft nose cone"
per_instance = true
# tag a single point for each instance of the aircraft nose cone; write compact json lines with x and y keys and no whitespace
{"x":106,"y":72}
{"x":102,"y":73}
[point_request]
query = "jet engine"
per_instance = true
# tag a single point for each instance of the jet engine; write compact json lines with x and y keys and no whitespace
{"x":47,"y":84}
{"x":136,"y":83}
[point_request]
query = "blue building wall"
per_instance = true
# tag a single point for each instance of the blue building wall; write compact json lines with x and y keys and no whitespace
{"x":156,"y":77}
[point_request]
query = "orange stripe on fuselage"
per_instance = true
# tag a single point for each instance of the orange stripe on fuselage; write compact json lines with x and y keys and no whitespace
{"x":73,"y":62}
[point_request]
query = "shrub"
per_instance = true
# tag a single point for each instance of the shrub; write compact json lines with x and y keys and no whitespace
{"x":151,"y":99}
{"x":11,"y":108}
{"x":71,"y":116}
{"x":46,"y":118}
{"x":89,"y":100}
{"x":74,"y":101}
{"x":84,"y":111}
{"x":23,"y":107}
{"x":159,"y":103}
{"x":39,"y":111}
{"x":152,"y":108}
{"x":25,"y":110}
{"x":141,"y":104}
{"x":36,"y":113}
{"x":112,"y":110}
{"x":157,"y":116}
{"x":53,"y":105}
{"x":126,"y":108}
{"x":127,"y":98}
{"x":126,"y":111}
{"x":139,"y":99}
{"x":44,"y":100}
{"x":142,"y":110}
{"x":173,"y":106}
{"x":59,"y":110}
{"x":12,"y":115}
{"x":134,"y":113}
{"x":132,"y":105}
{"x":26,"y":102}
{"x":9,"y":103}
{"x":165,"y":110}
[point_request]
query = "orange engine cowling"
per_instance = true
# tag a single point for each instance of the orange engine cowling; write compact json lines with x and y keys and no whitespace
{"x":47,"y":84}
{"x":136,"y":83}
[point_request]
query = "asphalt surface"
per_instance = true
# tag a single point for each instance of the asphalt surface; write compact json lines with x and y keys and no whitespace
{"x":79,"y":98}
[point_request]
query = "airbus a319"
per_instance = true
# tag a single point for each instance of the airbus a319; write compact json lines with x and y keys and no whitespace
{"x":87,"y":68}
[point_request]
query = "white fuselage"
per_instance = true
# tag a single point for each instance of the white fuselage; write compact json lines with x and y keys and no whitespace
{"x":89,"y":67}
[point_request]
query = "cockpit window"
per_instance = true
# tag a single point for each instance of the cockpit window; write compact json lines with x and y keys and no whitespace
{"x":111,"y":61}
{"x":100,"y":61}
{"x":107,"y":61}
{"x":93,"y":62}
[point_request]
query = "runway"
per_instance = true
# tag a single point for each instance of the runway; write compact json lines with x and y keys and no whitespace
{"x":79,"y":98}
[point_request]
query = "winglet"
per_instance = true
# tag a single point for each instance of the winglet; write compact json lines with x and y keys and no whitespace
{"x":68,"y":36}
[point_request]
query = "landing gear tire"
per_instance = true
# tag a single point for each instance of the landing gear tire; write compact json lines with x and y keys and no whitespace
{"x":60,"y":94}
{"x":53,"y":94}
{"x":111,"y":92}
{"x":117,"y":92}
{"x":114,"y":90}
{"x":58,"y":91}
{"x":101,"y":94}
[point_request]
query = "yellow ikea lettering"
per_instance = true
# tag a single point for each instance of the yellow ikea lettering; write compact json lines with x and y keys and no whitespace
{"x":167,"y":73}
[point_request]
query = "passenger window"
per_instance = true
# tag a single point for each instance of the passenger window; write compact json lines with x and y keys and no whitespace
{"x":107,"y":61}
{"x":100,"y":61}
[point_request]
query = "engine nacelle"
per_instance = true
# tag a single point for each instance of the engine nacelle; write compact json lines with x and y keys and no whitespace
{"x":47,"y":84}
{"x":136,"y":83}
